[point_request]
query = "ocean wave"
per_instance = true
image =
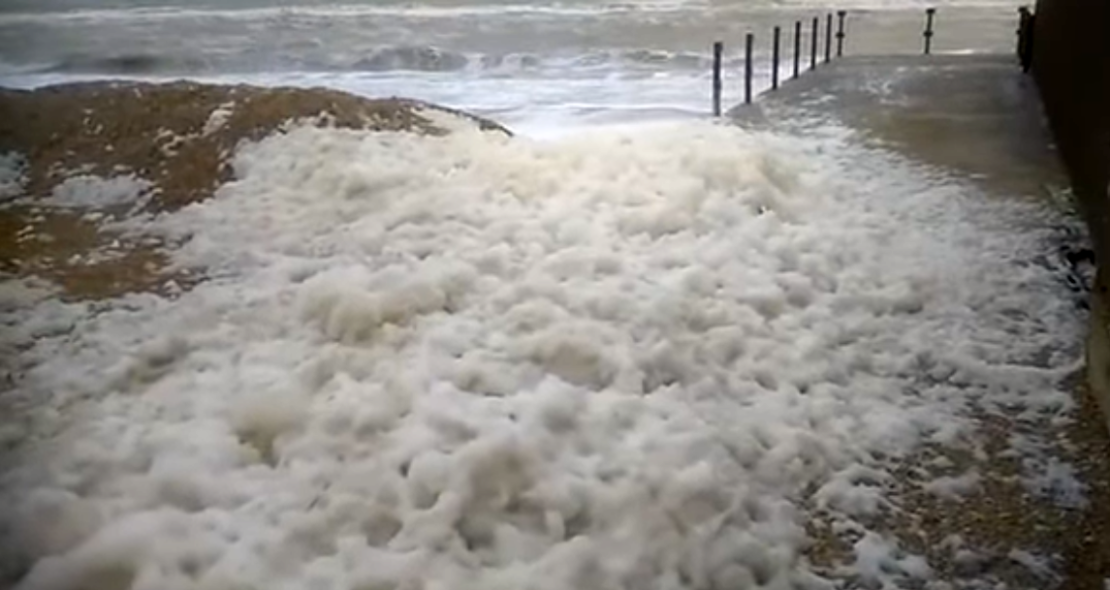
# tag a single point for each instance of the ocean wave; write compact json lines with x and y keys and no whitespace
{"x":348,"y":10}
{"x":127,"y":64}
{"x":669,"y":58}
{"x":390,"y":58}
{"x":8,"y":68}
{"x":435,"y":59}
{"x":419,"y":58}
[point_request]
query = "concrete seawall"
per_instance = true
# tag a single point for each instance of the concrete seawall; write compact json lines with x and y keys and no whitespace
{"x":1071,"y":64}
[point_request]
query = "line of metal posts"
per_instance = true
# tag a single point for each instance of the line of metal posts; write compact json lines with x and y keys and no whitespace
{"x":813,"y":45}
{"x":748,"y":42}
{"x":929,"y":13}
{"x":775,"y":58}
{"x":718,"y":49}
{"x":797,"y":46}
{"x":828,"y":38}
{"x":840,"y":14}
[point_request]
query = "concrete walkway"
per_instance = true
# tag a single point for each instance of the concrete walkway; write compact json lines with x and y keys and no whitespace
{"x":977,"y":117}
{"x":975,"y":114}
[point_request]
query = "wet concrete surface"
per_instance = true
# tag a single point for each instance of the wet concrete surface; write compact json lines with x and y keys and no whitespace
{"x":974,"y":114}
{"x":979,"y":118}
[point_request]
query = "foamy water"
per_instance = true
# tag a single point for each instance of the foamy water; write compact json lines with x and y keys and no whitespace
{"x":625,"y":359}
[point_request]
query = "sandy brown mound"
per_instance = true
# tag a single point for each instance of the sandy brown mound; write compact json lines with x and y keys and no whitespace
{"x":166,"y":134}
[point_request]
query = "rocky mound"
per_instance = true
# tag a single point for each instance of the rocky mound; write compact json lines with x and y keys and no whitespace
{"x":174,"y":138}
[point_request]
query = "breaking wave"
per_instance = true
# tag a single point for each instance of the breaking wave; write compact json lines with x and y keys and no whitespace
{"x":126,"y":64}
{"x":12,"y":12}
{"x":419,"y":58}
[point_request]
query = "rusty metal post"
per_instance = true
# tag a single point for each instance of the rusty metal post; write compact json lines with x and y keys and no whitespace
{"x":828,"y":37}
{"x":718,"y":49}
{"x":748,"y":42}
{"x":840,"y":14}
{"x":775,"y":58}
{"x":929,"y":13}
{"x":813,"y":45}
{"x":797,"y":46}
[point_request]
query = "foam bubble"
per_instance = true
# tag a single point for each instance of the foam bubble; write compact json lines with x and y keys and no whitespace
{"x":94,"y":192}
{"x":12,"y":176}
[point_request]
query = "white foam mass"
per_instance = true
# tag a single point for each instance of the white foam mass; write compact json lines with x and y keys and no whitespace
{"x":955,"y":487}
{"x":12,"y":175}
{"x":617,"y":360}
{"x":89,"y":191}
{"x":218,"y":118}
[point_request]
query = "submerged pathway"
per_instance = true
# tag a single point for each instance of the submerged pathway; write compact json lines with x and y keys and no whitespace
{"x":977,"y":118}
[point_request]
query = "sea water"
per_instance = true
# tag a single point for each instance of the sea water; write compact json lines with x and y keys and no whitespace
{"x":540,"y":67}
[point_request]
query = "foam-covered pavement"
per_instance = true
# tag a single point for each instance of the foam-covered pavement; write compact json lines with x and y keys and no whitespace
{"x":976,"y":119}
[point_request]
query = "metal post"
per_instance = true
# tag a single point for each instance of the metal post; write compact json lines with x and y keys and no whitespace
{"x":1023,"y":16}
{"x":718,"y":49}
{"x":828,"y":38}
{"x":929,"y":12}
{"x":748,"y":68}
{"x":840,"y":14}
{"x":1023,"y":32}
{"x":775,"y":59}
{"x":797,"y":46}
{"x":813,"y":45}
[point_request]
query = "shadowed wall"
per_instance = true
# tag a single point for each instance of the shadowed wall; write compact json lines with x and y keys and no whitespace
{"x":1071,"y":63}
